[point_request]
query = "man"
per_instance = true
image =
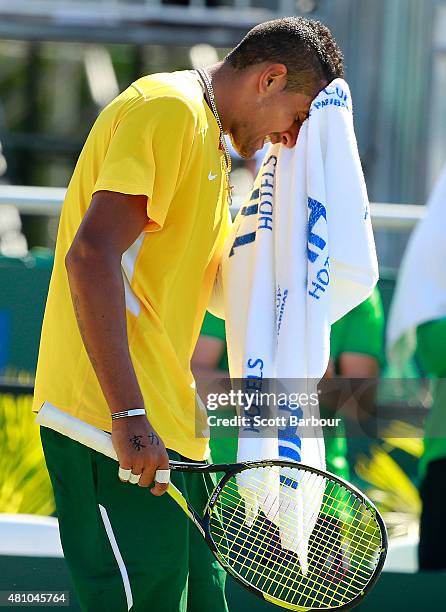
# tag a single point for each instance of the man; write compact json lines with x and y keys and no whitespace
{"x":417,"y":327}
{"x":356,"y":352}
{"x":431,"y":355}
{"x":139,"y":241}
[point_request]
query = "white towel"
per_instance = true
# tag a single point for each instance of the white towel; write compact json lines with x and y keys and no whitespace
{"x":301,"y":255}
{"x":420,"y":293}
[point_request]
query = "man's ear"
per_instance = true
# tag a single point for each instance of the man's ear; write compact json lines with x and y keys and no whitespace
{"x":272,"y":78}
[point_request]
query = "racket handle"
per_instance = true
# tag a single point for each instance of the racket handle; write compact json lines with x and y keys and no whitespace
{"x":77,"y":430}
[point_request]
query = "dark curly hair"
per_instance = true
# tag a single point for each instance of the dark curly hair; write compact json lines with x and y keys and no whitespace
{"x":305,"y":46}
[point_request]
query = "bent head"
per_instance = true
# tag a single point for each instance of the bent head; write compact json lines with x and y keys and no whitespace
{"x":279,"y":67}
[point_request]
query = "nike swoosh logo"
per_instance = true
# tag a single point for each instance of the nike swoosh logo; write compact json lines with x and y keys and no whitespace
{"x":211,"y":176}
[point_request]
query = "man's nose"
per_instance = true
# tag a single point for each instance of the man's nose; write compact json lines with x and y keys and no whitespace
{"x":288,"y":138}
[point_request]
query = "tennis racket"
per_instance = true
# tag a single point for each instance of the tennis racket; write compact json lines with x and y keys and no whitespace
{"x":345,"y":550}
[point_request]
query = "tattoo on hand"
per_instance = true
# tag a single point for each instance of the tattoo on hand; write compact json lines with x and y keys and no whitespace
{"x":136,"y":442}
{"x":153,"y":439}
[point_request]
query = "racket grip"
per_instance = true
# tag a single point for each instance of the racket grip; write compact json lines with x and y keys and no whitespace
{"x":77,"y":430}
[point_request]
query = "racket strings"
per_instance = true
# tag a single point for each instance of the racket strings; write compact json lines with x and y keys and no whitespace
{"x":328,"y":533}
{"x":336,"y":505}
{"x":265,"y":533}
{"x":272,"y":547}
{"x":289,"y":558}
{"x":343,"y":548}
{"x":328,"y":536}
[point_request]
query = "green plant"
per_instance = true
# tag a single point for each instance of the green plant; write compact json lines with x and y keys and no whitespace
{"x":394,"y":494}
{"x":25,"y":486}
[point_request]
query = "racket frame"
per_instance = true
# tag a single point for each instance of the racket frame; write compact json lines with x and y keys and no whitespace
{"x":230,"y":470}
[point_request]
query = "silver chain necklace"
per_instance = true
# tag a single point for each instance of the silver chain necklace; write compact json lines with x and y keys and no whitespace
{"x":210,"y":91}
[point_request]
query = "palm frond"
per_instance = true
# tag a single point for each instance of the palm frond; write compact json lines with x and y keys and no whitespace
{"x":25,"y":486}
{"x":394,"y":494}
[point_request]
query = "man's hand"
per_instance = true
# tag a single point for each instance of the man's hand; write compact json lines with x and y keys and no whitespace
{"x":140,"y":449}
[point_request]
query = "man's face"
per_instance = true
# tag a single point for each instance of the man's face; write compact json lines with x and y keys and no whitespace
{"x":275,"y":115}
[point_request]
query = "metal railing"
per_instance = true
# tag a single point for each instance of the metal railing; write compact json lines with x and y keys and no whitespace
{"x":138,"y":10}
{"x":140,"y":21}
{"x":48,"y":201}
{"x":171,"y":22}
{"x":143,"y":9}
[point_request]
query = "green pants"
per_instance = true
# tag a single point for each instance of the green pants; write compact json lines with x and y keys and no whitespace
{"x":125,"y":548}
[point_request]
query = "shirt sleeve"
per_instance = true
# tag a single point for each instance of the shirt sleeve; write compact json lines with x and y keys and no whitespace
{"x":213,"y":326}
{"x":431,"y":343}
{"x":148,"y":153}
{"x":361,"y":330}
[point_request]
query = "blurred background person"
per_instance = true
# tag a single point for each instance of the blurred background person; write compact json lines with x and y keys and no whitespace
{"x":417,"y":325}
{"x":356,"y":347}
{"x":431,"y":355}
{"x":356,"y":352}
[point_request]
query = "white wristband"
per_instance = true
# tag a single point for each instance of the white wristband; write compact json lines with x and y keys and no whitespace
{"x":128,"y":413}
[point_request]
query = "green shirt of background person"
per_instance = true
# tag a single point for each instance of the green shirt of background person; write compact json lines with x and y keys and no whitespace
{"x":357,"y":349}
{"x":431,"y":356}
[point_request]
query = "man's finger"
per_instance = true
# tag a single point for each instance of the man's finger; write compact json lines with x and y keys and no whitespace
{"x":147,"y":476}
{"x":162,"y":478}
{"x":159,"y":488}
{"x":134,"y":478}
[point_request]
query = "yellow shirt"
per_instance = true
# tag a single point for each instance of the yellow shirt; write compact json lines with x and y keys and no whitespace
{"x":160,"y":139}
